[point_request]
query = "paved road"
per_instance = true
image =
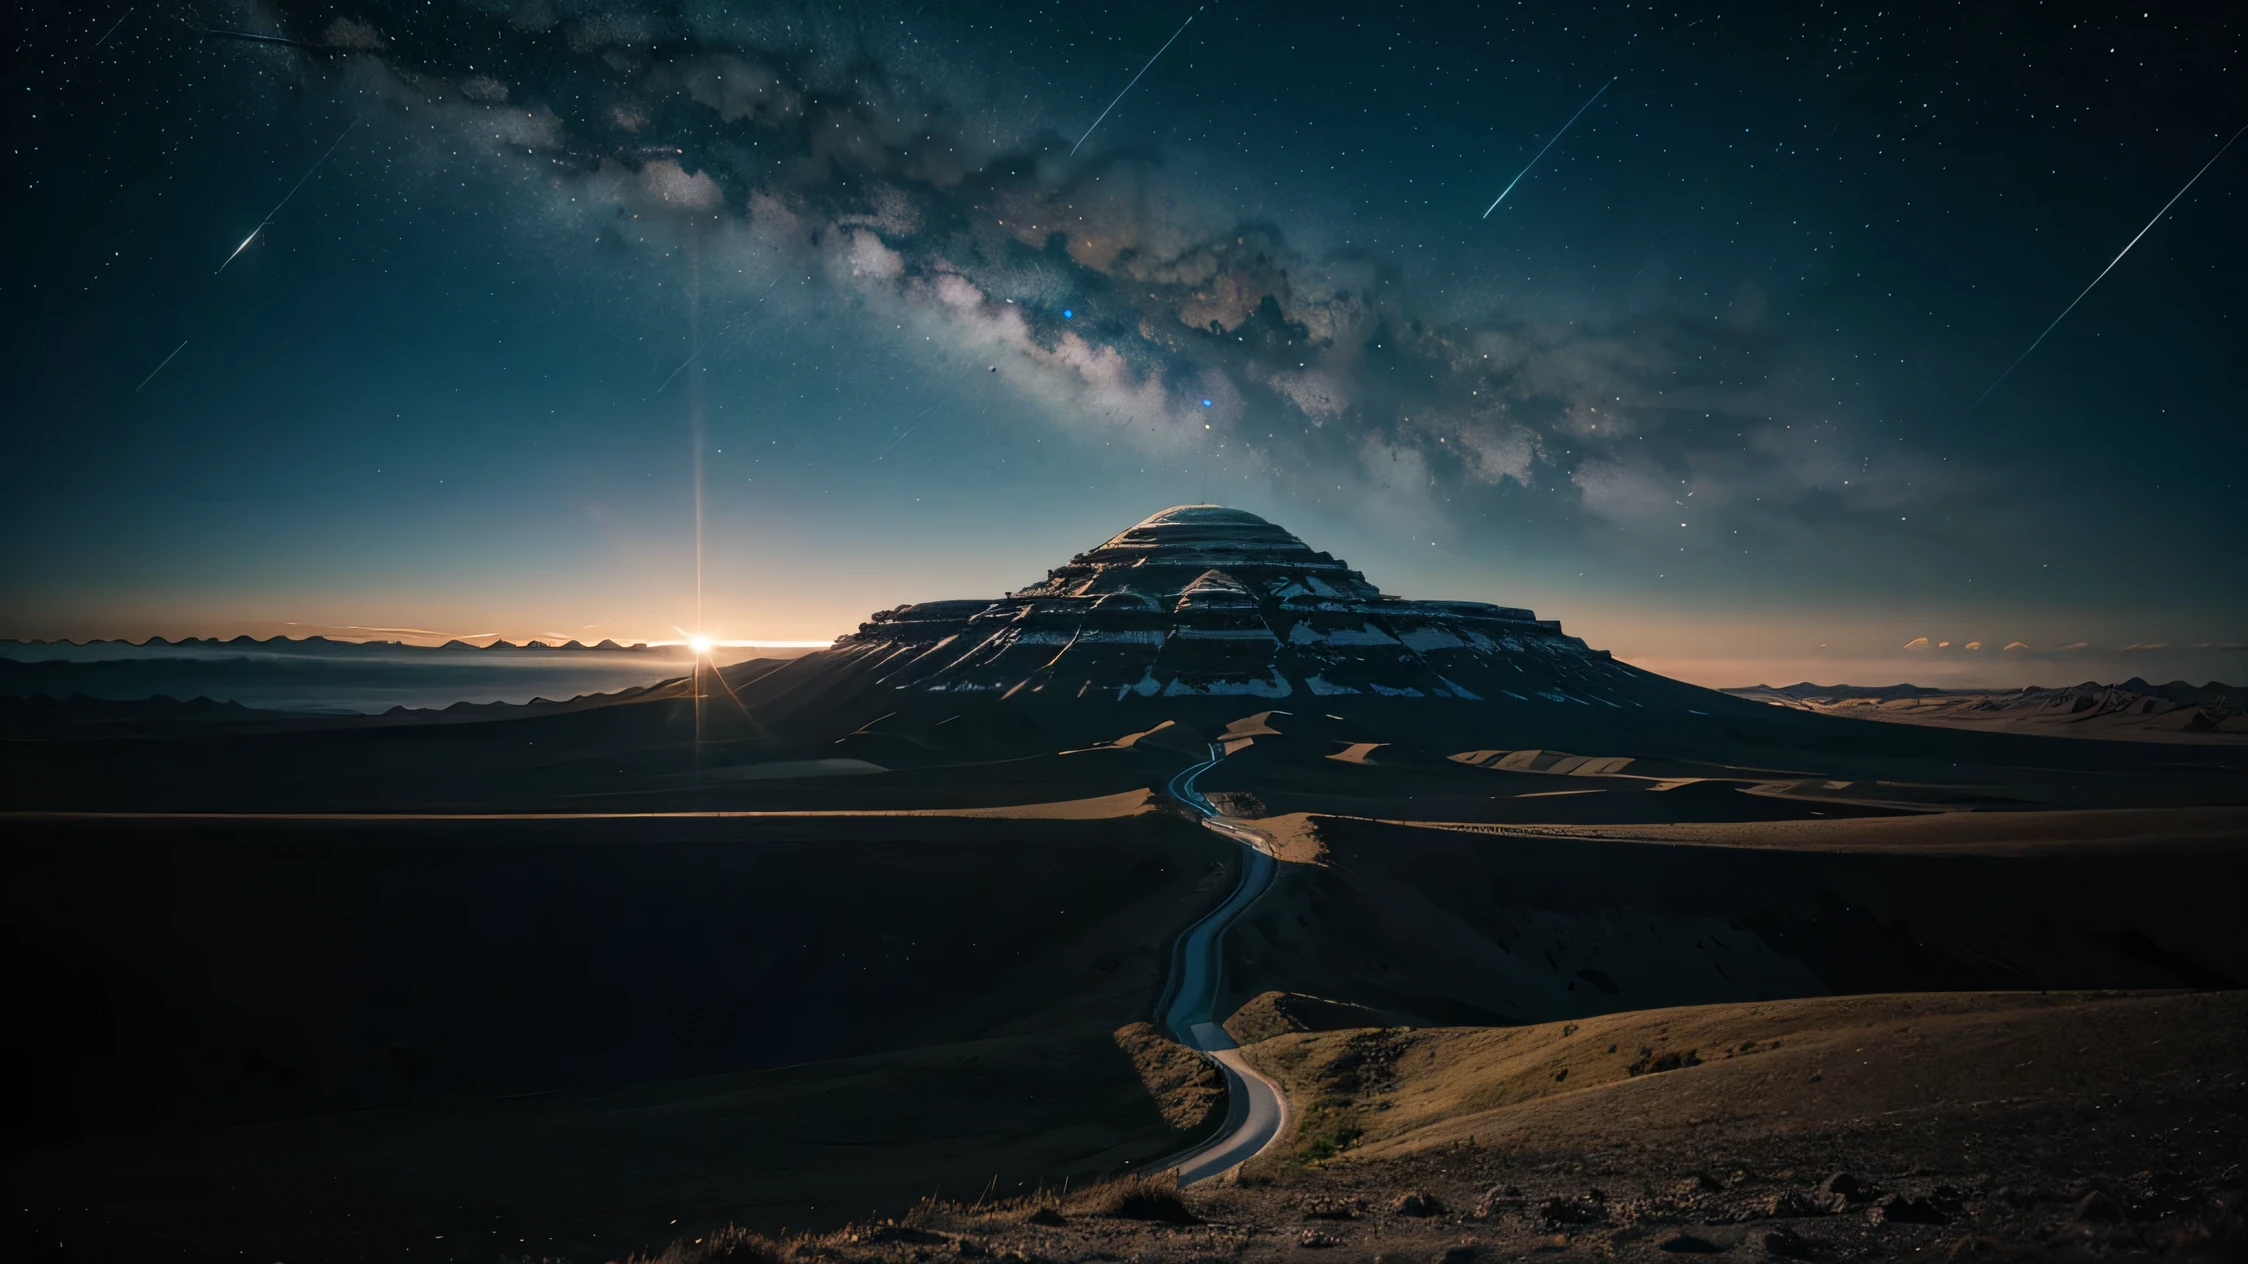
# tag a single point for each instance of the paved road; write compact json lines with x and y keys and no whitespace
{"x":1256,"y":1112}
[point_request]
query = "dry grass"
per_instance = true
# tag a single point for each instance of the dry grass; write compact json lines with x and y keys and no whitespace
{"x":1270,"y":1014}
{"x":1136,"y":1198}
{"x":981,"y":1228}
{"x":1561,"y":1088}
{"x":731,"y":1244}
{"x":1186,"y":1087}
{"x":2006,"y":1129}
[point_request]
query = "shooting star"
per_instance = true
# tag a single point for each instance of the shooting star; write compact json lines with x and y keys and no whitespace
{"x":714,"y":337}
{"x":160,"y":368}
{"x":255,"y":38}
{"x":2104,"y":271}
{"x":912,"y":426}
{"x":894,"y":442}
{"x":244,"y":246}
{"x":758,"y":302}
{"x":284,"y":200}
{"x":1136,"y":78}
{"x":682,"y":368}
{"x":1542,"y":153}
{"x":914,"y":423}
{"x":113,"y":27}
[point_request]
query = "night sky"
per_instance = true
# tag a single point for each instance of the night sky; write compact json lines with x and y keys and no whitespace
{"x":1703,"y":385}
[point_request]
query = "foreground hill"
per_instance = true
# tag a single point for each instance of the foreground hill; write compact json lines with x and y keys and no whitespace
{"x":570,"y":1030}
{"x":351,"y":1040}
{"x":2005,"y":1126}
{"x":1442,"y":925}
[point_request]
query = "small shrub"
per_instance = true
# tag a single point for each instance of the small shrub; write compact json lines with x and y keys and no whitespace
{"x":1327,"y":1137}
{"x":1650,"y":1062}
{"x":730,"y":1245}
{"x":1141,"y":1198}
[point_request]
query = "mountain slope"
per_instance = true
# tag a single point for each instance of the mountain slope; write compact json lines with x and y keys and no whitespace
{"x":1205,"y":602}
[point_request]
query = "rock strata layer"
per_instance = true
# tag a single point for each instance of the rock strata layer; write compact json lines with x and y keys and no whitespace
{"x":1201,"y":600}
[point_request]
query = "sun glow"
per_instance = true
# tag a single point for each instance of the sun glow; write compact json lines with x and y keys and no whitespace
{"x":699,"y":643}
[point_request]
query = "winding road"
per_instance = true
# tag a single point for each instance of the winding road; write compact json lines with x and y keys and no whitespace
{"x":1256,"y":1111}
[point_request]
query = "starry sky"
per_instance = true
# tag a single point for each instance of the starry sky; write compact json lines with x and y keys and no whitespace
{"x":630,"y":319}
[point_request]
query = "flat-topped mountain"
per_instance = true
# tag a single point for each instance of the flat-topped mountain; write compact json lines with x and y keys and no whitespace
{"x":1201,"y":599}
{"x":1207,"y":601}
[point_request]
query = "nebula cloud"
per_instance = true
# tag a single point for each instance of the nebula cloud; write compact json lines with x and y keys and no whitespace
{"x":1099,"y":288}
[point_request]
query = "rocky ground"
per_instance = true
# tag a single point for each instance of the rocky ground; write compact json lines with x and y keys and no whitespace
{"x":1402,"y":1212}
{"x":1850,"y":1135}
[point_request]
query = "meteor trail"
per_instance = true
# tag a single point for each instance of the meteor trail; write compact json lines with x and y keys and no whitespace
{"x":681,"y":369}
{"x":2104,"y":271}
{"x":1542,"y":153}
{"x":160,"y":368}
{"x":737,"y":316}
{"x":113,"y":27}
{"x":244,"y":246}
{"x":255,"y":38}
{"x":916,"y":423}
{"x":1136,"y":78}
{"x":894,"y":442}
{"x":284,"y":200}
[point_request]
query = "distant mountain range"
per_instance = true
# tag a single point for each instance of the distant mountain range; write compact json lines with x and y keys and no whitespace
{"x":318,"y":675}
{"x":2176,"y":691}
{"x":2133,"y":708}
{"x":10,"y":648}
{"x":1191,"y":610}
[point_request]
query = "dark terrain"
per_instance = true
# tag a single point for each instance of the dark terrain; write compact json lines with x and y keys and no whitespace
{"x":2052,"y":1127}
{"x":787,"y":944}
